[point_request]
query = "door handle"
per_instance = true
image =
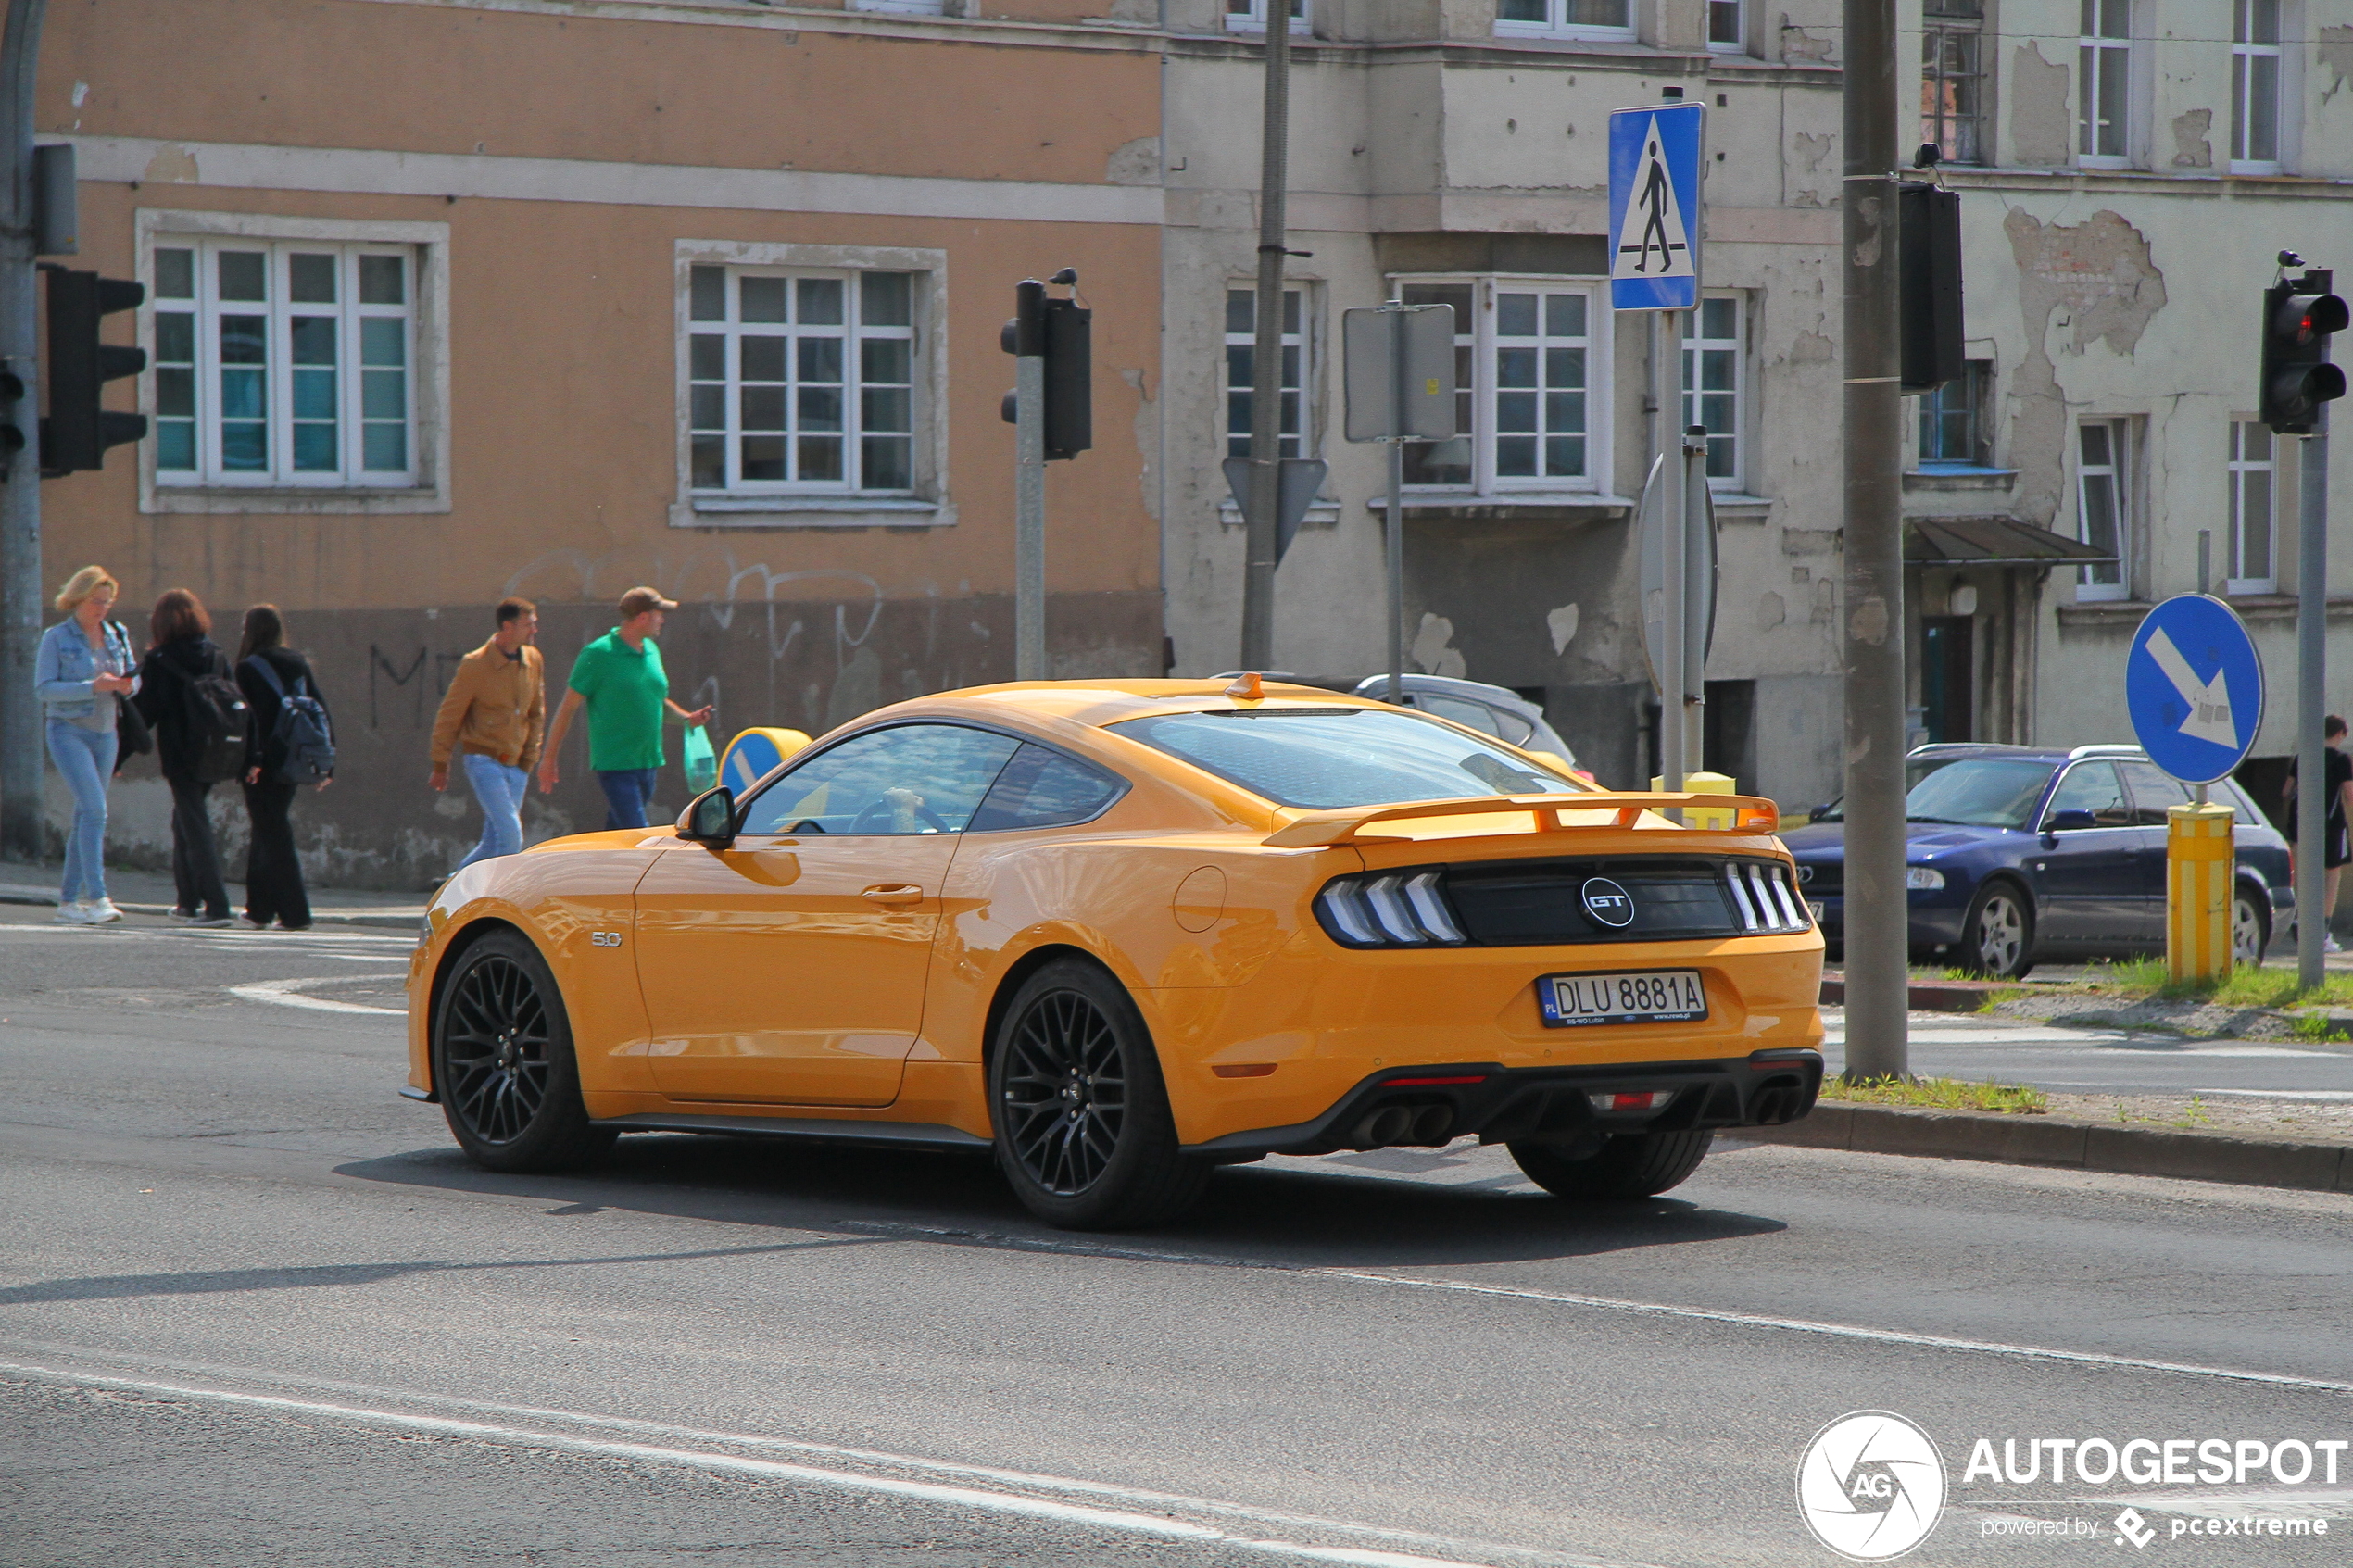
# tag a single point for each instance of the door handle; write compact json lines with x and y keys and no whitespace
{"x":894,"y":892}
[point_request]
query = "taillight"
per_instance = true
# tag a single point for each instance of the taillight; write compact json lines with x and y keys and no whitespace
{"x":1764,"y":897}
{"x":1648,"y":1101}
{"x":1392,"y":909}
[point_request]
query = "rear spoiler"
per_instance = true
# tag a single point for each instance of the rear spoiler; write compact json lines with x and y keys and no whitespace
{"x":1747,"y":814}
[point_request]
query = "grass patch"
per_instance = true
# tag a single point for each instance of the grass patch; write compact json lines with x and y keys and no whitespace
{"x":1940,"y":1094}
{"x":2141,"y":979}
{"x":2319,"y":1029}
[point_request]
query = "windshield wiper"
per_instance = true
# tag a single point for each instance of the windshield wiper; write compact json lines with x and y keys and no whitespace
{"x":1946,"y":821}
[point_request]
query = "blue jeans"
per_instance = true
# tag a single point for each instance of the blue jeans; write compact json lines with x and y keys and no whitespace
{"x":626,"y":792}
{"x":500,"y":790}
{"x":86,"y":758}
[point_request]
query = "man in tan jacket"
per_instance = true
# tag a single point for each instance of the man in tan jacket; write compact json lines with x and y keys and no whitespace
{"x":495,"y":717}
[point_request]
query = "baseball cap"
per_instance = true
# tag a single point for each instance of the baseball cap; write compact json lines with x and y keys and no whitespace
{"x":637,"y":601}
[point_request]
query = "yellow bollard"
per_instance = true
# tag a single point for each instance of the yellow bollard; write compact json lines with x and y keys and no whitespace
{"x":1705,"y":816}
{"x":2200,"y":860}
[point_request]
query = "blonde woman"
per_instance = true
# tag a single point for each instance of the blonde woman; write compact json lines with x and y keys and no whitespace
{"x":85,"y":661}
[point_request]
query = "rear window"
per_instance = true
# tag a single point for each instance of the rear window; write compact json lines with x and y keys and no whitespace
{"x":1334,"y":756}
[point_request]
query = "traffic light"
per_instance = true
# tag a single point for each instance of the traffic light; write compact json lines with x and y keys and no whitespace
{"x":1060,"y":332}
{"x":12,"y":410}
{"x":1929,"y":278}
{"x":76,"y":431}
{"x":2298,"y":316}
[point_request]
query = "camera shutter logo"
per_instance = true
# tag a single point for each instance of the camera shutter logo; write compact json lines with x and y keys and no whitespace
{"x":1870,"y":1486}
{"x":1607,"y":902}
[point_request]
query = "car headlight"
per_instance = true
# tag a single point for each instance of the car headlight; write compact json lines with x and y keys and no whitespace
{"x":1923,"y":877}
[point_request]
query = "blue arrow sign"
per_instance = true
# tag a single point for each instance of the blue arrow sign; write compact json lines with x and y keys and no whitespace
{"x":1655,"y":206}
{"x":2194,"y":686}
{"x":755,"y":754}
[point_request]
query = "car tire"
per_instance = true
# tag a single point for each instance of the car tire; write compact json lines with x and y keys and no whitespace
{"x":1627,"y":1165}
{"x":1083,"y":1130}
{"x":503,"y":1062}
{"x":1998,"y":935}
{"x":2250,"y":925}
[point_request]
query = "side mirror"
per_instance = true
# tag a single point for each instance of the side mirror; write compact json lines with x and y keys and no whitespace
{"x":2069,"y":822}
{"x":710,"y":818}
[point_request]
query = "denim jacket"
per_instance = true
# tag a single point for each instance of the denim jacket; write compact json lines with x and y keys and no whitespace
{"x":65,"y":668}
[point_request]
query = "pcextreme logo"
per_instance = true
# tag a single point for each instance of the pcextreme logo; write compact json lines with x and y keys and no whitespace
{"x":1870,"y":1486}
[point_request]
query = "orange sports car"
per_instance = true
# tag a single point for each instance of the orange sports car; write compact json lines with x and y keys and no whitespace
{"x":1127,"y":931}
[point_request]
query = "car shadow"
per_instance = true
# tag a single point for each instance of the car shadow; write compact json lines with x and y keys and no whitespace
{"x":1252,"y":1216}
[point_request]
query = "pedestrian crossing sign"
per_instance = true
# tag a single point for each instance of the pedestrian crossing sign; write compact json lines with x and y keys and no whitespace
{"x":1655,"y":206}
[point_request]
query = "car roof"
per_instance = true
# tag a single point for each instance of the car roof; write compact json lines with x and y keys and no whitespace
{"x":1454,"y":685}
{"x":2052,"y":754}
{"x":1099,"y":703}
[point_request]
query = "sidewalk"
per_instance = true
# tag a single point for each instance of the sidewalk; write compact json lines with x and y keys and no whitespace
{"x":151,"y":893}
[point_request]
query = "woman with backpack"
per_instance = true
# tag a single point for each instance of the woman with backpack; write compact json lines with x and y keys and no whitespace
{"x":82,"y":668}
{"x":201,"y":730}
{"x":290,"y":728}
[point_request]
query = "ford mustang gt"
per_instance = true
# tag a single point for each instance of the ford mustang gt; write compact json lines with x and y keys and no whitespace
{"x":1123,"y":932}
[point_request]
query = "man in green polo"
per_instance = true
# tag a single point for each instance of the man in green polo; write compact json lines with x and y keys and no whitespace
{"x":620,"y":681}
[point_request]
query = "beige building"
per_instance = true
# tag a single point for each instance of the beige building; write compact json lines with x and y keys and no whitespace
{"x":452,"y":300}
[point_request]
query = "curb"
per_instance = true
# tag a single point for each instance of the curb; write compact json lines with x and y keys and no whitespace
{"x":318,"y":917}
{"x":1928,"y":995}
{"x":2076,"y":1145}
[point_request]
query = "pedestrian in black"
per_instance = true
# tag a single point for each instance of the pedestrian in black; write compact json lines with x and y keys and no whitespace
{"x":273,"y":874}
{"x":2336,"y":841}
{"x":183,"y":681}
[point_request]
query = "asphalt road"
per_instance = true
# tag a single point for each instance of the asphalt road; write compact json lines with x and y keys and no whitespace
{"x":2111,"y":1062}
{"x":254,"y":1307}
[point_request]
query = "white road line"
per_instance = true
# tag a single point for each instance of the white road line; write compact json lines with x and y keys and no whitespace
{"x":289,"y":994}
{"x":705,"y":1454}
{"x":1615,"y":1304}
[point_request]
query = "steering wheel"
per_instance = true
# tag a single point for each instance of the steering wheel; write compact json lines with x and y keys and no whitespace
{"x":876,"y":817}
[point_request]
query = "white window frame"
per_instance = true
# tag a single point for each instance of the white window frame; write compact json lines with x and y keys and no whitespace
{"x":1555,"y":25}
{"x":1482,"y":340}
{"x":2236,"y":578}
{"x":1936,"y":26}
{"x":1736,"y":347}
{"x":1303,"y":441}
{"x":927,"y":502}
{"x":1738,"y":11}
{"x":1252,"y":17}
{"x":2118,"y":472}
{"x":2244,"y":54}
{"x":2101,"y":56}
{"x":900,"y":7}
{"x":423,"y":486}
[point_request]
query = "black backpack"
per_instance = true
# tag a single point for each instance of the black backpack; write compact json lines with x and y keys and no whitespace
{"x":302,"y":729}
{"x":217,"y":717}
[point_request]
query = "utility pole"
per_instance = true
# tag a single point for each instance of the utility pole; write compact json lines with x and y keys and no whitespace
{"x":1260,"y":535}
{"x":2312,"y":703}
{"x":1877,"y":915}
{"x":1030,"y":481}
{"x":20,"y":747}
{"x":1674,"y":734}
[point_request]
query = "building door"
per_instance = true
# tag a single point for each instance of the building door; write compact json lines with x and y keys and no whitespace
{"x":1948,"y":650}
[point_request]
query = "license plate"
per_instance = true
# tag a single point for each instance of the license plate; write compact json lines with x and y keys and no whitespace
{"x":1814,"y":910}
{"x":1643,"y":996}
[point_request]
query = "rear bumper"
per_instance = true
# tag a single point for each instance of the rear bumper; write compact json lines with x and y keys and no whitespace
{"x":1544,"y":1104}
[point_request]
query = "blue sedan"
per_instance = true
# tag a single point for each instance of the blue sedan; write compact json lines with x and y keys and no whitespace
{"x":2022,"y":853}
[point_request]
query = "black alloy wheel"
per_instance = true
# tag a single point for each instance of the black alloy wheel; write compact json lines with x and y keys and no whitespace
{"x":503,"y":1064}
{"x":1627,"y":1164}
{"x":2250,"y":925}
{"x":1083,"y":1129}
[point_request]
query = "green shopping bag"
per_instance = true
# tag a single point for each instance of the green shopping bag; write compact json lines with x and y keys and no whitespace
{"x":702,"y":763}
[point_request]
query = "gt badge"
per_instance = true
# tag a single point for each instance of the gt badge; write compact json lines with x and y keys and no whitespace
{"x":1607,"y":902}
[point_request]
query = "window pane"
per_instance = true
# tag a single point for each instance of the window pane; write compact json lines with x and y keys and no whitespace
{"x":708,"y":407}
{"x":819,"y":409}
{"x":759,"y":299}
{"x":888,"y":460}
{"x":384,"y":448}
{"x":244,"y":340}
{"x":1242,"y":311}
{"x":2255,"y":440}
{"x":314,"y":446}
{"x":1565,"y":367}
{"x":176,"y":445}
{"x":1523,"y":11}
{"x":383,"y":395}
{"x":707,"y":357}
{"x":311,"y":280}
{"x":1515,"y":315}
{"x":1718,"y":317}
{"x":820,"y":359}
{"x":909,"y":779}
{"x":175,"y":337}
{"x":2263,"y":109}
{"x":820,"y":459}
{"x":886,"y":299}
{"x":314,"y":340}
{"x":761,"y":358}
{"x":1041,"y":789}
{"x":244,"y":448}
{"x":885,"y":359}
{"x":383,"y":340}
{"x":1724,"y":22}
{"x":707,"y":459}
{"x":175,"y":390}
{"x":243,"y":274}
{"x":175,"y":274}
{"x":763,"y":459}
{"x":1563,"y":315}
{"x":1600,"y":13}
{"x":1365,"y":756}
{"x":885,"y":409}
{"x":314,"y":394}
{"x":384,"y":279}
{"x":2096,"y":450}
{"x":2255,"y":522}
{"x":1516,"y":366}
{"x":761,"y":408}
{"x":707,"y":293}
{"x":820,"y":302}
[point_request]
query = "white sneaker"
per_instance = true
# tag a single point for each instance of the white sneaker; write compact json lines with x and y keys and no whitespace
{"x":102,"y":911}
{"x":2330,"y":945}
{"x":73,"y":912}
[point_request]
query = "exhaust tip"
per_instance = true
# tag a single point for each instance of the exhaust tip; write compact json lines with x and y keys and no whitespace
{"x":1433,"y":1122}
{"x":1386,"y":1125}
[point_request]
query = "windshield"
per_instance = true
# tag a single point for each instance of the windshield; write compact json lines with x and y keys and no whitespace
{"x":1333,"y":757}
{"x":1987,"y":792}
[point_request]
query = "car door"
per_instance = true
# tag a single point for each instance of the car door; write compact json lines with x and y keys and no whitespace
{"x":2154,"y":792}
{"x":789,"y":968}
{"x":2087,"y":877}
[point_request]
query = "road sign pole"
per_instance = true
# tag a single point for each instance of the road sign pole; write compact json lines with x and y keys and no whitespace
{"x":2312,"y":708}
{"x":1674,"y":759}
{"x":1029,"y":519}
{"x":20,"y":595}
{"x":1878,"y":914}
{"x":1260,"y":548}
{"x":1699,"y":597}
{"x":1395,"y":544}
